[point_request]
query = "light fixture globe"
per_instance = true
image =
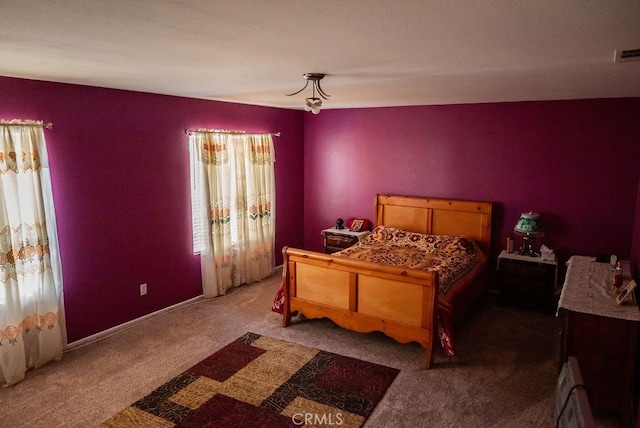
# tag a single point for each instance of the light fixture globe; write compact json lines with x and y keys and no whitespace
{"x":529,"y":227}
{"x":313,"y":103}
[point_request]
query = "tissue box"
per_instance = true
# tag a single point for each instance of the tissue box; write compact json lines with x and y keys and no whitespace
{"x":547,"y":254}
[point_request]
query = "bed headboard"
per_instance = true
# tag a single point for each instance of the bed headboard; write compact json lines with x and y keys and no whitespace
{"x":436,"y":217}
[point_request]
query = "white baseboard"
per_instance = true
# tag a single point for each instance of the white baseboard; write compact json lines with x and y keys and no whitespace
{"x":114,"y":330}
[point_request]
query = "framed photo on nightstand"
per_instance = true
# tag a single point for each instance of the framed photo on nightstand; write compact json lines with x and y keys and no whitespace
{"x":625,"y":292}
{"x":356,"y":225}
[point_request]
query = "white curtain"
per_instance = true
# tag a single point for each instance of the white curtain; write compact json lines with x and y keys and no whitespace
{"x":31,"y":328}
{"x":233,"y":207}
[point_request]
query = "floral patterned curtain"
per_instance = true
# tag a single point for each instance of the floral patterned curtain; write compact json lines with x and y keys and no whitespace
{"x":30,"y":280}
{"x":233,"y":204}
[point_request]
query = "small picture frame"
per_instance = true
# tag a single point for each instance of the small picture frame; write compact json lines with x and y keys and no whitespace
{"x":624,"y":293}
{"x":356,"y":225}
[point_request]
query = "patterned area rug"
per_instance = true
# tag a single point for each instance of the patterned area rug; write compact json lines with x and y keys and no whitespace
{"x":257,"y":381}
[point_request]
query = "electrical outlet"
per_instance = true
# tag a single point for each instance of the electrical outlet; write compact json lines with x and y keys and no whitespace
{"x":143,"y":289}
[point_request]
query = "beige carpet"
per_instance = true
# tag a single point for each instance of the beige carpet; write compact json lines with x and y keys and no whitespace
{"x":504,"y":374}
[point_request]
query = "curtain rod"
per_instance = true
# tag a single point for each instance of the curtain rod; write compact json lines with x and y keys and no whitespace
{"x":48,"y":125}
{"x":224,"y":131}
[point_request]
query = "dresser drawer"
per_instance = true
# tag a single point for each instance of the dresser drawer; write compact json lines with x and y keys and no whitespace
{"x":530,"y":271}
{"x":340,"y":241}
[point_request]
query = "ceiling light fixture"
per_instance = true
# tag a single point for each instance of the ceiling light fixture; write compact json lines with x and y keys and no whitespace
{"x":313,"y":103}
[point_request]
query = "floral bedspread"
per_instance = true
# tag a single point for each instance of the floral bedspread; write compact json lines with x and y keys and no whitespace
{"x":451,"y":256}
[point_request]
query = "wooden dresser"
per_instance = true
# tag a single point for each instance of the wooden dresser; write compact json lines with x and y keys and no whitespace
{"x":602,"y":335}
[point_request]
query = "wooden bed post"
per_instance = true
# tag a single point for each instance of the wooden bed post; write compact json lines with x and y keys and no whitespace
{"x":429,"y":319}
{"x":286,"y":310}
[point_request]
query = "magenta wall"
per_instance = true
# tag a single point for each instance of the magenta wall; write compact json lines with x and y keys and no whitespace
{"x":120,"y":172}
{"x":577,"y":163}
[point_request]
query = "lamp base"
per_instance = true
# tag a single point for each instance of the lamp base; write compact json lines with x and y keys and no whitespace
{"x":527,"y":246}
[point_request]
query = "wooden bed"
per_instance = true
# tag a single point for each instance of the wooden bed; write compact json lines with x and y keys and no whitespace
{"x":400,"y":302}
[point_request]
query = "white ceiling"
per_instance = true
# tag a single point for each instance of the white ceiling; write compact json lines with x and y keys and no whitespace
{"x":374,"y":52}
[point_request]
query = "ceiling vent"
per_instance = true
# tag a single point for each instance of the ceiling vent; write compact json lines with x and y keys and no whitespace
{"x":627,"y":55}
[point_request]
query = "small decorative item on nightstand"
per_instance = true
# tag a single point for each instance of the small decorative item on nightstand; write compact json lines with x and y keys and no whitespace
{"x":509,"y":247}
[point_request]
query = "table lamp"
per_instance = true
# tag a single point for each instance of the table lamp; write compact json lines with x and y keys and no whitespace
{"x":529,"y":227}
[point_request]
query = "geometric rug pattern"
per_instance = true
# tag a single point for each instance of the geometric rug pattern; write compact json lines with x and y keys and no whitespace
{"x":257,"y":381}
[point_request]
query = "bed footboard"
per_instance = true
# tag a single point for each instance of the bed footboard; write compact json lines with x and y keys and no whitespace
{"x":362,"y":296}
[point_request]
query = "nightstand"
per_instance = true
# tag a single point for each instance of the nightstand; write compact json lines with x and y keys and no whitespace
{"x":527,"y":281}
{"x":339,"y":239}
